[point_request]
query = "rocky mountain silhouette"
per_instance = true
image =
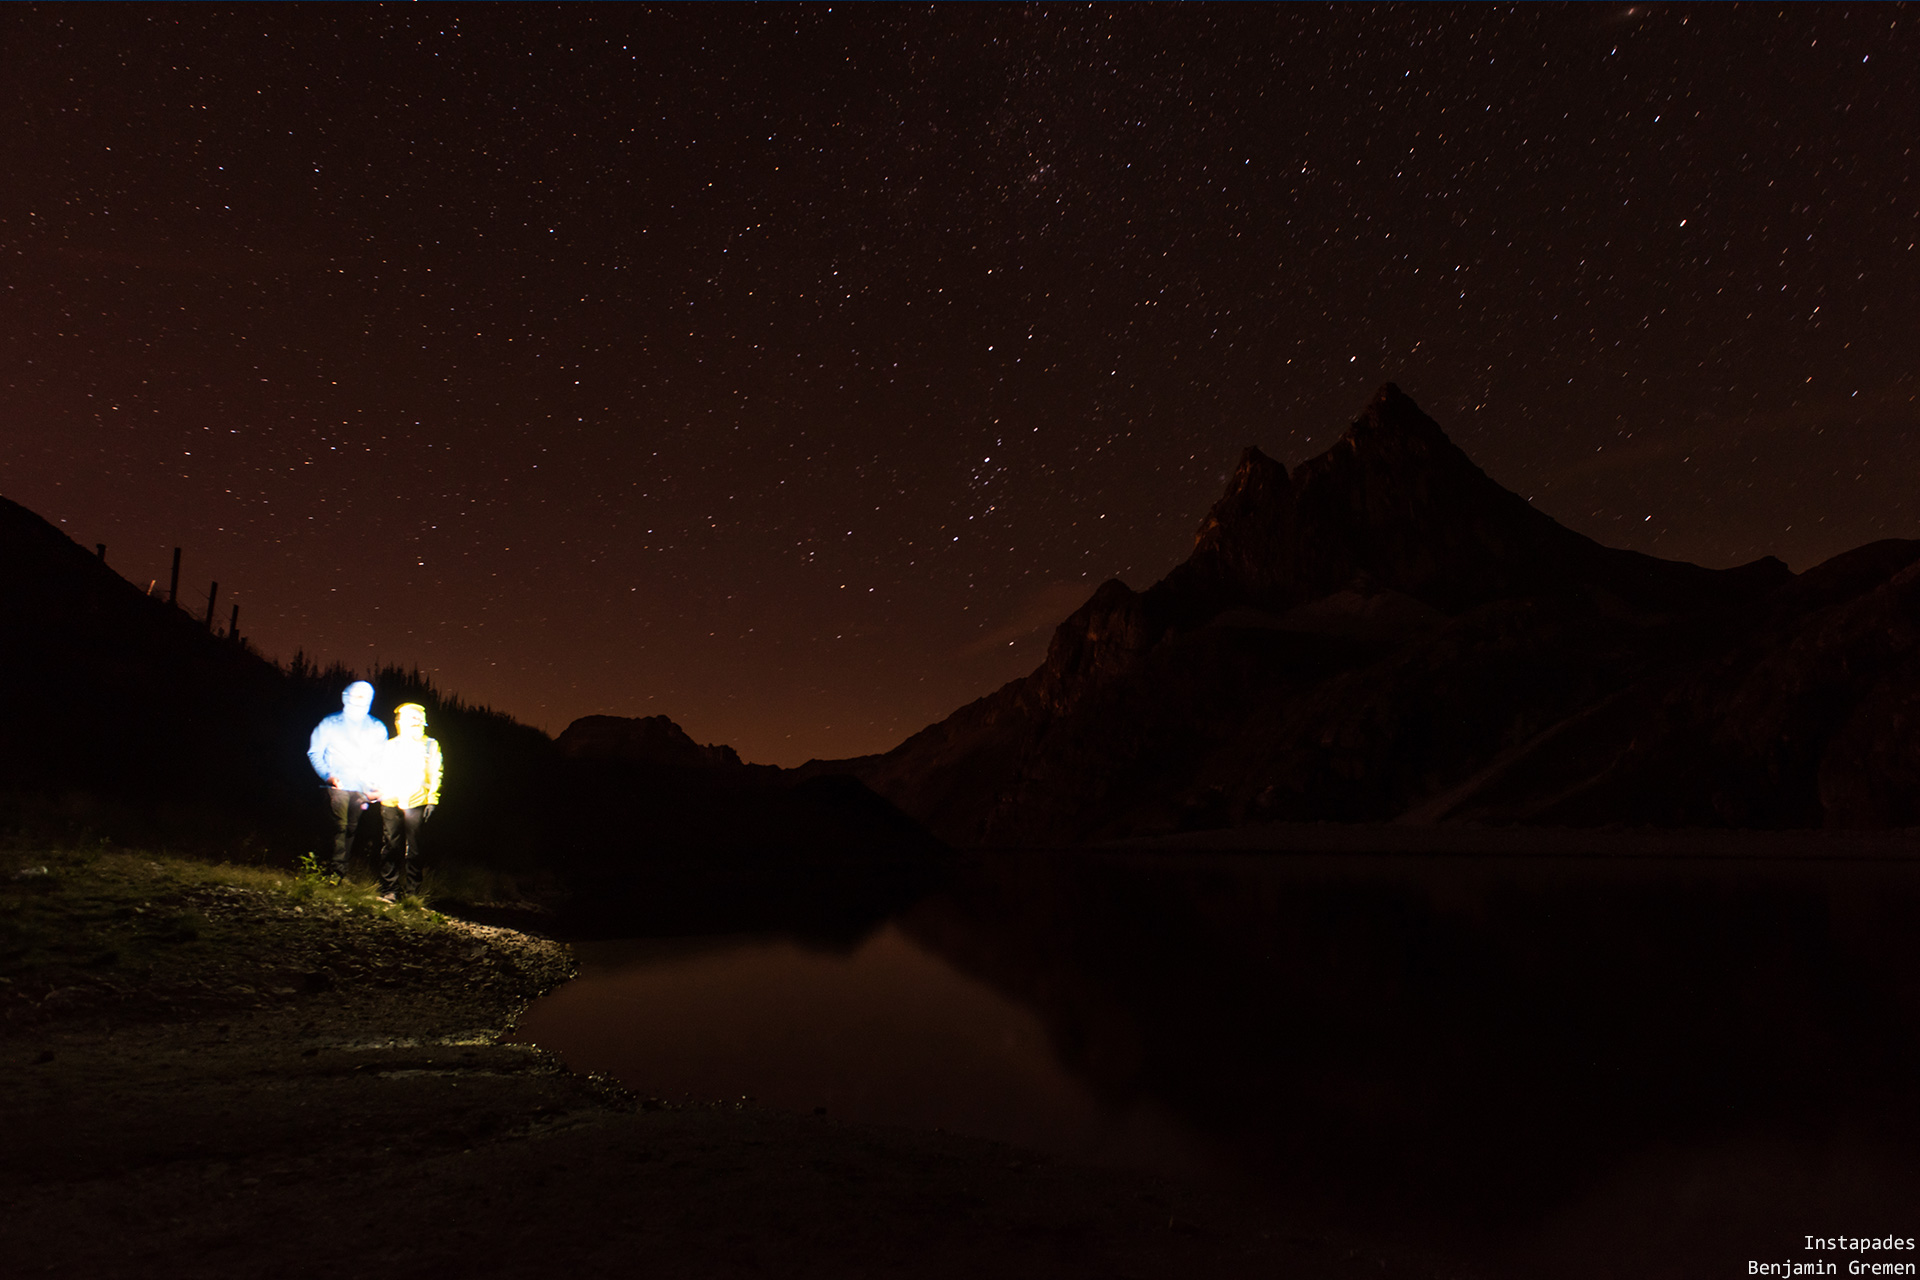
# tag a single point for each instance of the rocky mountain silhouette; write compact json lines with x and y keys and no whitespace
{"x":1385,"y":633}
{"x":654,"y":740}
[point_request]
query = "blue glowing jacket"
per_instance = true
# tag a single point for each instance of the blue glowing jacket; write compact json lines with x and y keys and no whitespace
{"x":347,"y":746}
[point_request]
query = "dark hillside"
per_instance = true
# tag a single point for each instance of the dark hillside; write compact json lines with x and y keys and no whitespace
{"x":118,"y":700}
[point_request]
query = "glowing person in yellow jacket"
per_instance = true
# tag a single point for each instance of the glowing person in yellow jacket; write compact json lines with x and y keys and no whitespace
{"x":407,"y":777}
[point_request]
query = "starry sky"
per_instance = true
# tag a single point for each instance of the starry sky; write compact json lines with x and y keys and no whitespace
{"x":792,"y":371}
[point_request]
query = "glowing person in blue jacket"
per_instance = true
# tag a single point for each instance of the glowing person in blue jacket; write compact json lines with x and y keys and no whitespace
{"x":345,"y":750}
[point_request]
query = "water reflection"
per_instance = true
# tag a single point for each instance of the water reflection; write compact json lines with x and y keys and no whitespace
{"x":884,"y":1033}
{"x":1667,"y":1055}
{"x":1480,"y":1041}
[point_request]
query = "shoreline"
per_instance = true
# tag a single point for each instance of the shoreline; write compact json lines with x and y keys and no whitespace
{"x":171,"y":1118}
{"x":1468,"y":840}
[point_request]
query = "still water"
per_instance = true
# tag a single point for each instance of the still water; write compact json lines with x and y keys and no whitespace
{"x":1640,"y":1062}
{"x":886,"y":1032}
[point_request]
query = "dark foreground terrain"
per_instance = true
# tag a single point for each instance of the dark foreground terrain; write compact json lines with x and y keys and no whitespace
{"x":213,"y":1071}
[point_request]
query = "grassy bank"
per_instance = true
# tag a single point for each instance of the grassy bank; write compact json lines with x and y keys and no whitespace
{"x":156,"y":935}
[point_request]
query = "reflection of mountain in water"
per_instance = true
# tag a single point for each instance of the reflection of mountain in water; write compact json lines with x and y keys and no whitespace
{"x":1483,"y":1039}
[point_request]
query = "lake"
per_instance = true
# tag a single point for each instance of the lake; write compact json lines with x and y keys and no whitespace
{"x":1586,"y":1064}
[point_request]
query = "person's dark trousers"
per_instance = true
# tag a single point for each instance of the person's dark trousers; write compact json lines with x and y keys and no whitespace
{"x":347,"y":808}
{"x":400,"y":858}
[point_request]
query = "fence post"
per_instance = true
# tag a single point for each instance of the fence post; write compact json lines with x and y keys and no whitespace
{"x":173,"y":586}
{"x":213,"y":593}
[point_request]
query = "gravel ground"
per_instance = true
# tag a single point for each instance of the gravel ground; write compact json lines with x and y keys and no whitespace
{"x":211,"y":1071}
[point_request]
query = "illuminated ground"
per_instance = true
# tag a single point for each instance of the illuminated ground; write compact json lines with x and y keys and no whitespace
{"x":210,"y":1071}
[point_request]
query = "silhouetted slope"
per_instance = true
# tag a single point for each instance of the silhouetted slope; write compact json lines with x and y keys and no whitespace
{"x":1387,"y":633}
{"x":1810,"y":719}
{"x":659,"y":834}
{"x":113,"y":693}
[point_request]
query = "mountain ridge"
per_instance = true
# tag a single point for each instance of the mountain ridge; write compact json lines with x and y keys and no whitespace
{"x":1383,"y":633}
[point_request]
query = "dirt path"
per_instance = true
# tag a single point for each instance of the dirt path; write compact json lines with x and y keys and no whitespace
{"x":264,"y":1080}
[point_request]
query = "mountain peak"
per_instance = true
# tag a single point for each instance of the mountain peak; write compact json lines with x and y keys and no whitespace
{"x":1300,"y":663}
{"x":1388,"y":395}
{"x":1257,"y":482}
{"x":1240,"y":547}
{"x":1393,"y":424}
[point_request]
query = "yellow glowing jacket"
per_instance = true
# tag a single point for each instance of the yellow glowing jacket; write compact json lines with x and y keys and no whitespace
{"x":409,"y":772}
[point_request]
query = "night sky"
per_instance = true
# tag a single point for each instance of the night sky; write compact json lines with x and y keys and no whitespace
{"x":791,"y":371}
